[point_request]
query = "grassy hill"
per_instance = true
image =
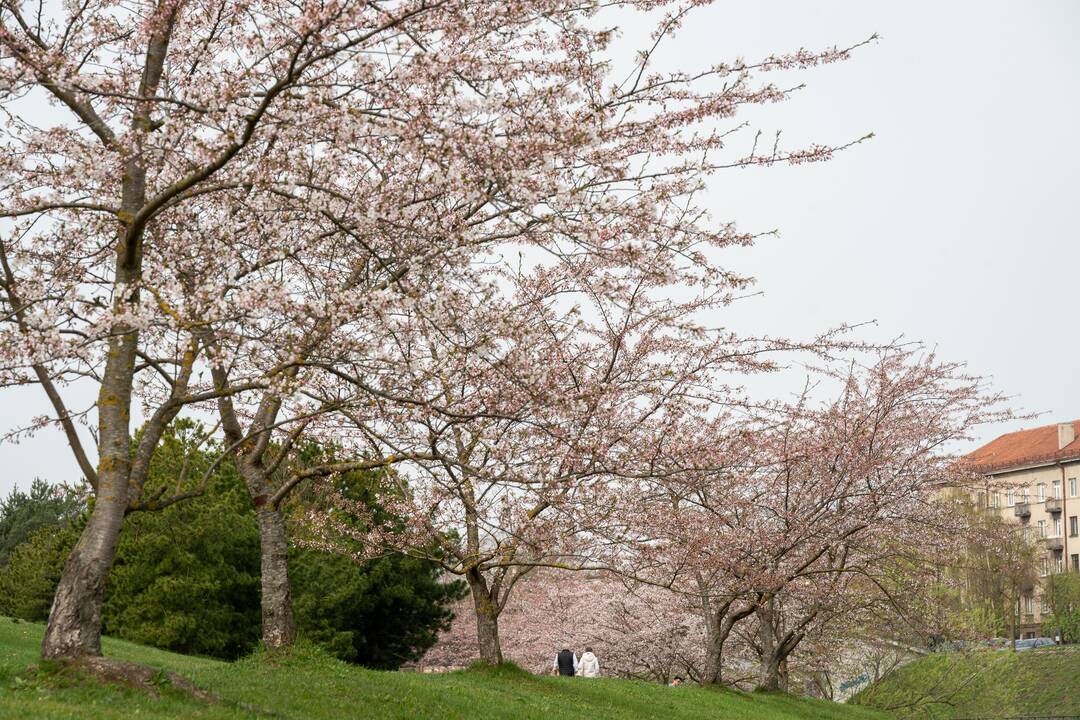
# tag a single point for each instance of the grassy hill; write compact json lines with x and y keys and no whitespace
{"x":311,"y":685}
{"x":982,"y":684}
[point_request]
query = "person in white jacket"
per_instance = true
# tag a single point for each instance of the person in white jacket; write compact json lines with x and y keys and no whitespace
{"x":588,"y":666}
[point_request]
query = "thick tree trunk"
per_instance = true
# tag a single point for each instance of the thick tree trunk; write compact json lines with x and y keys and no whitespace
{"x":487,"y":634}
{"x":278,"y":624}
{"x":74,"y":628}
{"x":775,"y":646}
{"x":719,"y":622}
{"x":487,"y":619}
{"x":772,"y":673}
{"x":714,"y":650}
{"x":769,"y":663}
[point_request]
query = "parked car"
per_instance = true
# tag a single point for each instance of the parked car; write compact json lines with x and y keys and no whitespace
{"x":1032,"y":643}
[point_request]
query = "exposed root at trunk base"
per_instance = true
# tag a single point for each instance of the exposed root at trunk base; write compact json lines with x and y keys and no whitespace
{"x":152,"y":681}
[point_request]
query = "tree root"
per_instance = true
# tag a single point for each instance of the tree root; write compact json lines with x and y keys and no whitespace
{"x":150,"y":680}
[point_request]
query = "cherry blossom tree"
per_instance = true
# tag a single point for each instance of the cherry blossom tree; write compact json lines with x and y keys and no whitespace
{"x":508,"y":443}
{"x":782,"y":539}
{"x":178,"y":116}
{"x":444,"y":393}
{"x":808,"y":501}
{"x":261,"y":188}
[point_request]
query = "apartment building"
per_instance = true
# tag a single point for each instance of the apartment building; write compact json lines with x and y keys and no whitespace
{"x":1036,"y":476}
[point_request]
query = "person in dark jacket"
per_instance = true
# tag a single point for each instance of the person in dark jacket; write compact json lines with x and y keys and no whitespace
{"x":566,"y":663}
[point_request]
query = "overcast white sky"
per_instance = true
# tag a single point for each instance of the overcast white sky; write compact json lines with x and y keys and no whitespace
{"x":955,"y":225}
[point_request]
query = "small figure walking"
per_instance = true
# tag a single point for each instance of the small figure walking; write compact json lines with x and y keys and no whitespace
{"x":566,"y":663}
{"x":589,"y":666}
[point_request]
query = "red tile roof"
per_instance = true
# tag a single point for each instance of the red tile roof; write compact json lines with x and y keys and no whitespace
{"x":1025,"y":447}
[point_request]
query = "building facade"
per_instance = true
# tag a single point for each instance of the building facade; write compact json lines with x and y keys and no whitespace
{"x":1035,"y":478}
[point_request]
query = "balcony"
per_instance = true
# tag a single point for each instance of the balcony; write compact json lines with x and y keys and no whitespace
{"x":1055,"y":543}
{"x":1022,"y":510}
{"x":1053,"y":505}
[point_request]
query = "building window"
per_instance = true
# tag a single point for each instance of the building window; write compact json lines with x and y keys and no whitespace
{"x":1076,"y":562}
{"x":1057,"y":526}
{"x":1027,"y":496}
{"x":1042,"y":529}
{"x":1042,"y":492}
{"x":1029,"y":604}
{"x":995,"y":499}
{"x":1072,"y":487}
{"x":1073,"y":527}
{"x":1044,"y":605}
{"x":1057,"y":490}
{"x":1044,"y":567}
{"x":1059,"y":564}
{"x":1010,"y":497}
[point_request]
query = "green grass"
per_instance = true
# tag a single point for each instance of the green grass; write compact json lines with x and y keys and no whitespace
{"x":311,"y":685}
{"x":989,"y":683}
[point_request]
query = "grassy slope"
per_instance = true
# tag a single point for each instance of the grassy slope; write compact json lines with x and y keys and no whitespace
{"x":308,"y":684}
{"x":982,"y":684}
